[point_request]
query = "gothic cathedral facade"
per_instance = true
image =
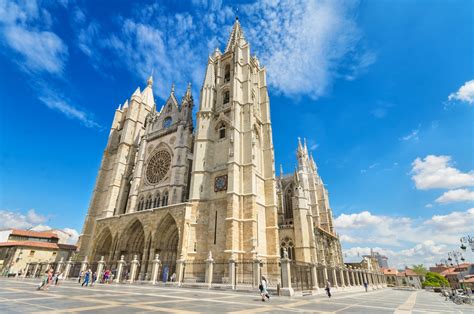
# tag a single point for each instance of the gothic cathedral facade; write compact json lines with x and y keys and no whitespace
{"x":169,"y":187}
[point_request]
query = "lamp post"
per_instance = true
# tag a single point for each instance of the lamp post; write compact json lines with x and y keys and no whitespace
{"x":456,"y":256}
{"x":468,"y":240}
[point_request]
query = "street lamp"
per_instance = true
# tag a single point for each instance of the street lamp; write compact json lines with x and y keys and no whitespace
{"x":468,"y":240}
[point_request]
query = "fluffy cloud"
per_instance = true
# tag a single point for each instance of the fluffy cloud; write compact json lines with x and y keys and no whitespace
{"x":34,"y":221}
{"x":15,"y":219}
{"x":465,"y":93}
{"x":40,"y":50}
{"x":436,"y":172}
{"x":284,"y":35}
{"x":404,"y":240}
{"x":459,"y":195}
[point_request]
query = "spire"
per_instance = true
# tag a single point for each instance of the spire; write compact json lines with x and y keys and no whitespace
{"x":125,"y":105}
{"x":235,"y":35}
{"x":172,"y":88}
{"x":147,"y":95}
{"x":281,"y":171}
{"x":137,"y":94}
{"x":188,"y":90}
{"x":300,"y":147}
{"x":305,"y":147}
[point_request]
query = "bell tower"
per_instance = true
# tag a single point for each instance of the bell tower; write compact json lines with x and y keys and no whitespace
{"x":233,"y":178}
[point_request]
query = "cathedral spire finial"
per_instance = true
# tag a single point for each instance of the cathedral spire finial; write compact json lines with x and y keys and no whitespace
{"x":235,"y":35}
{"x":172,"y":88}
{"x":149,"y":82}
{"x":300,"y":146}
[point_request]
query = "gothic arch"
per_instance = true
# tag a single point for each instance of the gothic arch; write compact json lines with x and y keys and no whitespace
{"x":132,"y":241}
{"x":167,"y":242}
{"x":288,"y":202}
{"x":103,"y":245}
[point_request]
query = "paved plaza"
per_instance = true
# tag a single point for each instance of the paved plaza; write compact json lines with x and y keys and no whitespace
{"x":20,"y":296}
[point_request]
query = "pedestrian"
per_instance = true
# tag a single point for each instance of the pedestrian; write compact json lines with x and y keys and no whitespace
{"x":44,"y":281}
{"x":87,"y":276}
{"x":366,"y":286}
{"x":328,"y":289}
{"x":81,"y":273}
{"x":173,"y":277}
{"x":263,"y":289}
{"x":94,"y":278}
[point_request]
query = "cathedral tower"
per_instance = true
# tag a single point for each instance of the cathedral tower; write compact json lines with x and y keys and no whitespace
{"x":233,"y":179}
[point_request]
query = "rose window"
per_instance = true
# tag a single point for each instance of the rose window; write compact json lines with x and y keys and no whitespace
{"x":158,"y":166}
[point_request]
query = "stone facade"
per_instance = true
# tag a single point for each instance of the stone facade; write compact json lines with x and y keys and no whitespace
{"x":188,"y":192}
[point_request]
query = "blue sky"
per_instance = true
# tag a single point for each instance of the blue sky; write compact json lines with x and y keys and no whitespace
{"x":383,"y":91}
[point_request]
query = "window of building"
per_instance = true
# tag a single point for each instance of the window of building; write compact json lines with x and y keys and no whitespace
{"x":164,"y":201}
{"x":221,"y":130}
{"x":140,"y":204}
{"x":167,"y":122}
{"x":32,"y":253}
{"x":149,"y":202}
{"x":156,"y":203}
{"x":227,"y":73}
{"x":290,"y":247}
{"x":226,"y":97}
{"x":289,"y":203}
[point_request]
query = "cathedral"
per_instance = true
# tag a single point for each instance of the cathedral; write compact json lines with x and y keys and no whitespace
{"x":188,"y":191}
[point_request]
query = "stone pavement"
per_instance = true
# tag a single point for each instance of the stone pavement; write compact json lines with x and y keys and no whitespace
{"x":20,"y":296}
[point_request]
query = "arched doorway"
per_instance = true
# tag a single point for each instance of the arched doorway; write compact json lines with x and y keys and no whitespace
{"x":166,"y":244}
{"x":133,"y":241}
{"x":103,"y":246}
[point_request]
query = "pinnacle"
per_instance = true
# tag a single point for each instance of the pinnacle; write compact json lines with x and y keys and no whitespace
{"x":149,"y":82}
{"x":235,"y":35}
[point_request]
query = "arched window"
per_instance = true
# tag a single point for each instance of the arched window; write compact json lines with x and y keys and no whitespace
{"x":140,"y":204}
{"x":221,"y":130}
{"x":167,"y":122}
{"x":164,"y":201}
{"x":227,"y":73}
{"x":226,"y":97}
{"x":156,"y":202}
{"x":289,"y":202}
{"x":149,"y":202}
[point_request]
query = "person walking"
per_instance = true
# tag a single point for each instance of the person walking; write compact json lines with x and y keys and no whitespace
{"x":366,"y":286}
{"x":328,"y":289}
{"x":87,"y":276}
{"x":81,"y":273}
{"x":44,"y":281}
{"x":263,"y":289}
{"x":94,"y":278}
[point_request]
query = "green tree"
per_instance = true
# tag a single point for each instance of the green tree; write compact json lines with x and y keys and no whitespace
{"x":435,"y":280}
{"x":419,"y":269}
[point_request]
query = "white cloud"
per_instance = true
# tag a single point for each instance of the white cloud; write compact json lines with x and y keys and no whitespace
{"x":33,"y":221}
{"x":40,"y":50}
{"x":16,"y":219}
{"x":436,"y":172}
{"x":412,"y":136}
{"x":464,"y":94}
{"x":404,"y":240}
{"x":459,"y":195}
{"x":305,"y":46}
{"x":62,"y":105}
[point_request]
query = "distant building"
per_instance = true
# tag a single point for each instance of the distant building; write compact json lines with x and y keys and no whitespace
{"x":381,"y":259}
{"x":20,"y":249}
{"x":403,"y":278}
{"x":457,"y":275}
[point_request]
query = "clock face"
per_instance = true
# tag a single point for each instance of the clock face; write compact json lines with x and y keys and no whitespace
{"x":158,"y":166}
{"x":220,"y":183}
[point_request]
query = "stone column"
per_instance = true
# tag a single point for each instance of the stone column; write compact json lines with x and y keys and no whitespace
{"x":156,"y":269}
{"x":120,"y":265}
{"x":286,"y":288}
{"x":232,"y":278}
{"x":209,"y":269}
{"x":26,"y":271}
{"x":67,"y":270}
{"x":358,"y":278}
{"x":133,"y":268}
{"x":353,"y":278}
{"x":256,"y":272}
{"x":325,"y":275}
{"x":334,"y":277}
{"x":180,"y":271}
{"x":314,"y":276}
{"x":36,"y":270}
{"x":60,"y":265}
{"x":341,"y":274}
{"x":100,"y":268}
{"x":84,"y":264}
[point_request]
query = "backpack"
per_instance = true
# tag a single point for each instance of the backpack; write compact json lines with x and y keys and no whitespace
{"x":260,"y":287}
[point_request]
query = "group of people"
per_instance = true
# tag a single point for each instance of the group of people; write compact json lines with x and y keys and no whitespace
{"x":88,"y":277}
{"x":49,"y":278}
